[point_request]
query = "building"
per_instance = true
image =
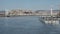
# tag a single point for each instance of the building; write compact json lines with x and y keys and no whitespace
{"x":2,"y":13}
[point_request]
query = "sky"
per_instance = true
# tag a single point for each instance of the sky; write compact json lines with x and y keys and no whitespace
{"x":29,"y":4}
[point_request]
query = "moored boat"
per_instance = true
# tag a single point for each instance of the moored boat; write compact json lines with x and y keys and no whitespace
{"x":50,"y":19}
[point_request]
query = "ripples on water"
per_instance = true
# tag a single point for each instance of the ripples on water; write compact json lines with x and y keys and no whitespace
{"x":26,"y":25}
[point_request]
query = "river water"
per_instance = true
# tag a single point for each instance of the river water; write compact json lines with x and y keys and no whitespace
{"x":26,"y":25}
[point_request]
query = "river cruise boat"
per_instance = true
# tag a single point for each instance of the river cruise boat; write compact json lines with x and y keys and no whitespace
{"x":50,"y":19}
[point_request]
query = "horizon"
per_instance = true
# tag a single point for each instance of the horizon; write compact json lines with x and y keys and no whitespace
{"x":31,"y":10}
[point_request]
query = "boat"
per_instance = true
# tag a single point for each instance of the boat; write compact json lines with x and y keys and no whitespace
{"x":50,"y":19}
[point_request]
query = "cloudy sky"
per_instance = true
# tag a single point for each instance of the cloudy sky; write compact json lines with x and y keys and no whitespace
{"x":29,"y":4}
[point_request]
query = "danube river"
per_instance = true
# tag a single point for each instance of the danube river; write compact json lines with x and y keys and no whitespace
{"x":26,"y":25}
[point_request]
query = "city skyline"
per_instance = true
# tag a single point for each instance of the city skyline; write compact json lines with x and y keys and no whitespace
{"x":29,"y":4}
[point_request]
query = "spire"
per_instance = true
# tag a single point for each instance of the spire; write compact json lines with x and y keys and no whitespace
{"x":51,"y":11}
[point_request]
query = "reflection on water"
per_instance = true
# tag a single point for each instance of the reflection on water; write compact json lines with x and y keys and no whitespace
{"x":26,"y":25}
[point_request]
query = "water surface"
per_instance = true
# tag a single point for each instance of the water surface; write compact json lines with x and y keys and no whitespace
{"x":26,"y":25}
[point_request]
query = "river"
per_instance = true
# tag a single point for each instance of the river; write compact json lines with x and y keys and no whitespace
{"x":26,"y":25}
